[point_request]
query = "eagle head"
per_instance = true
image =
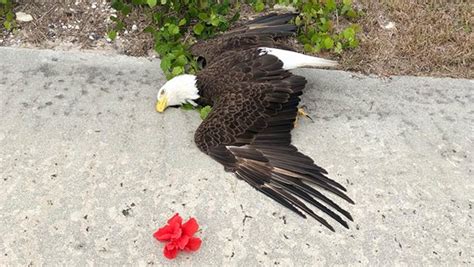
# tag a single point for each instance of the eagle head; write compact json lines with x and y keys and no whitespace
{"x":177,"y":91}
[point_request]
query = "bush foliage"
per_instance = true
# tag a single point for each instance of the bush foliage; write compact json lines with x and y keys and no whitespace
{"x":174,"y":21}
{"x":7,"y":17}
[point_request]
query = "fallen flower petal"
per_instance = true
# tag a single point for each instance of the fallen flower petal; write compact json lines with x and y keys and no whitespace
{"x":190,"y":227}
{"x":170,"y":253}
{"x":176,"y":219}
{"x":193,"y":244}
{"x":164,"y":233}
{"x":182,"y":241}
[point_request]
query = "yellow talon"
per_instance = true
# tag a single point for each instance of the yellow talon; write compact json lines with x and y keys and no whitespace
{"x":301,"y":113}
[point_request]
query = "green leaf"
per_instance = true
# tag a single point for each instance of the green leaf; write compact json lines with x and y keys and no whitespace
{"x":149,"y":29}
{"x":173,"y":29}
{"x":328,"y":43}
{"x":10,"y":16}
{"x":3,"y":2}
{"x":181,"y":60}
{"x":298,"y":21}
{"x":165,"y":63}
{"x":324,"y":27}
{"x":187,"y":106}
{"x":204,"y":112}
{"x":351,"y":13}
{"x":177,"y":70}
{"x":348,"y":33}
{"x":117,"y":5}
{"x":120,"y":25}
{"x":198,"y":28}
{"x":317,"y":48}
{"x":338,"y":48}
{"x":126,"y":9}
{"x":203,"y":4}
{"x":330,"y":5}
{"x":182,"y":22}
{"x":8,"y":25}
{"x":215,"y":21}
{"x":345,"y":9}
{"x":161,"y":48}
{"x":151,"y":3}
{"x":157,"y":17}
{"x":347,"y":2}
{"x":316,"y":38}
{"x":203,"y":16}
{"x":353,"y":43}
{"x":308,"y":48}
{"x":259,"y":6}
{"x":112,"y":35}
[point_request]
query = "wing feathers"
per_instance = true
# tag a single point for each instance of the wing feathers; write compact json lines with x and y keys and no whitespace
{"x":306,"y":197}
{"x":290,"y":162}
{"x":284,"y":184}
{"x":274,"y":24}
{"x":249,"y":132}
{"x":317,"y":194}
{"x":296,"y":202}
{"x":245,"y":153}
{"x":278,"y":198}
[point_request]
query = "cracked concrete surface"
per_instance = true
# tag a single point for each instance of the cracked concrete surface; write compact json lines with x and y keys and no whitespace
{"x":88,"y":170}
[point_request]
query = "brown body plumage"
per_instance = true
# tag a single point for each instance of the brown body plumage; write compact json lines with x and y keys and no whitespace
{"x":254,"y":109}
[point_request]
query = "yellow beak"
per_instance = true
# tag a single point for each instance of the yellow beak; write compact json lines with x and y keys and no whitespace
{"x":162,"y":104}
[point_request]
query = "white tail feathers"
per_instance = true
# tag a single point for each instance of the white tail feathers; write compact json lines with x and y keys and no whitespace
{"x":294,"y":60}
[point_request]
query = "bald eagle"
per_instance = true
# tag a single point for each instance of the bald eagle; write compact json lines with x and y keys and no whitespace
{"x":254,"y":101}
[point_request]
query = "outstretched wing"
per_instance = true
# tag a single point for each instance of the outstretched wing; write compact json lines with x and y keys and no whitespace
{"x":263,"y":31}
{"x":248,"y":131}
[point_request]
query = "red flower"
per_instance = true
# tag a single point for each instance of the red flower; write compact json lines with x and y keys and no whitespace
{"x":179,"y":236}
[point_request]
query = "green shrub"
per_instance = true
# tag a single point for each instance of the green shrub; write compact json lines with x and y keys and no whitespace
{"x":317,"y":19}
{"x":318,"y":31}
{"x":7,"y":17}
{"x":173,"y":20}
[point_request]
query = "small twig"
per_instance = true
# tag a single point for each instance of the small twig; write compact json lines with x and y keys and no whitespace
{"x":46,"y":13}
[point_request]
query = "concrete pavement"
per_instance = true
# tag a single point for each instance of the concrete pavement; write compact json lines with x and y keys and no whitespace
{"x":88,"y":170}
